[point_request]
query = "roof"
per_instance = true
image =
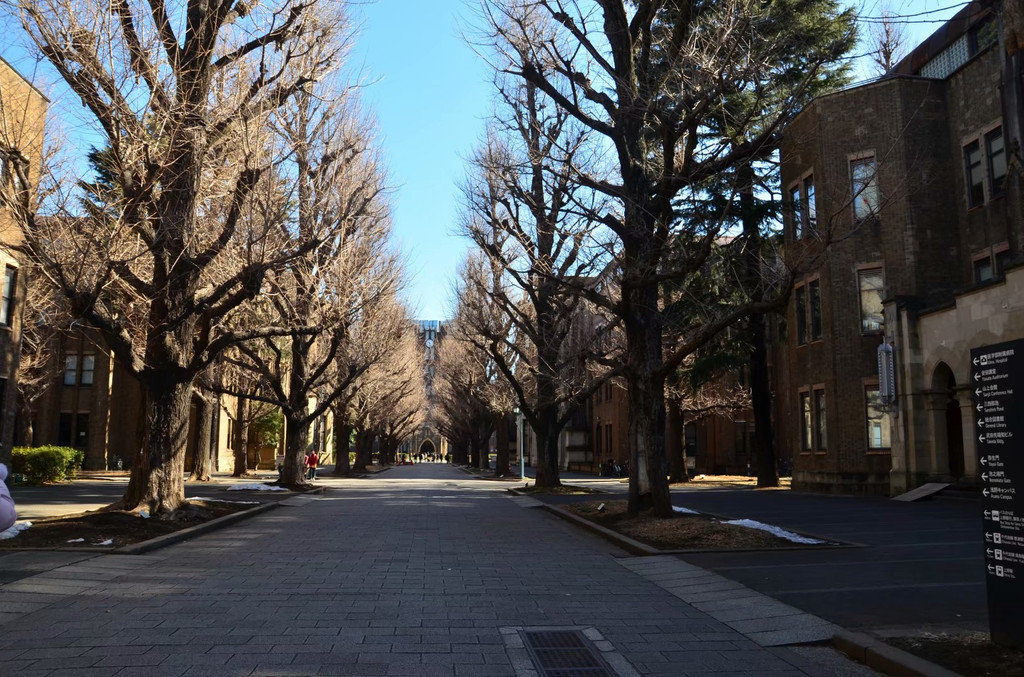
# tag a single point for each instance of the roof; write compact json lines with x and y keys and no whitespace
{"x":27,"y":81}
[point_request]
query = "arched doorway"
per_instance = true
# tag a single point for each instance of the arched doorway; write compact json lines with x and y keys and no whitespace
{"x":949,"y":425}
{"x":427,"y":448}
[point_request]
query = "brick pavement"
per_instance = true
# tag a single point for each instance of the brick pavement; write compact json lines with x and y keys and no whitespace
{"x":420,"y":571}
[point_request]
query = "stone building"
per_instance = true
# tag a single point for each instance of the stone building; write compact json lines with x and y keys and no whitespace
{"x":95,"y":405}
{"x":427,"y":439}
{"x":23,"y":111}
{"x":904,"y":211}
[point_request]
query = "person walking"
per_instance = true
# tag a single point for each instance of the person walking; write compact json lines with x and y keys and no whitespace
{"x":8,"y":515}
{"x":312,"y":459}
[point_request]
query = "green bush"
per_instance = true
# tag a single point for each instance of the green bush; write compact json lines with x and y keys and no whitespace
{"x":46,"y":464}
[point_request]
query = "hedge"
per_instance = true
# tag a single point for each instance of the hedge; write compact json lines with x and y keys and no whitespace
{"x":46,"y":464}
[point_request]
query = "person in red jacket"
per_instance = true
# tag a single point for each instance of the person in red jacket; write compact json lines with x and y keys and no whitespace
{"x":312,"y":459}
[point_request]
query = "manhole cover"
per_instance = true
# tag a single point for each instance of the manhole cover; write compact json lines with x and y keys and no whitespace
{"x":564,"y":653}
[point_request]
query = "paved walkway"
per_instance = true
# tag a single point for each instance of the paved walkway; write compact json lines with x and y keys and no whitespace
{"x":418,"y":571}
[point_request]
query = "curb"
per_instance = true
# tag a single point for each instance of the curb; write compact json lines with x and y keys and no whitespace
{"x":625,"y":542}
{"x":888,"y":659}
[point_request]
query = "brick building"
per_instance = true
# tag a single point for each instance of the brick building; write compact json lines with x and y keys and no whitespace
{"x":23,"y":111}
{"x":904,"y":206}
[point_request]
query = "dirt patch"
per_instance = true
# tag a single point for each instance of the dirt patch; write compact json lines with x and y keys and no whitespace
{"x":728,"y":482}
{"x":114,"y":528}
{"x":681,"y":532}
{"x":969,"y":654}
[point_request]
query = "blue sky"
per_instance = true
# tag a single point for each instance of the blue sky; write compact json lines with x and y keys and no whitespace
{"x":431,"y":95}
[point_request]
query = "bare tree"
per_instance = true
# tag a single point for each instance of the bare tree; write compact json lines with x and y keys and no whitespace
{"x":470,"y":395}
{"x":336,"y":183}
{"x":529,"y":216}
{"x":654,"y":81}
{"x":182,"y":94}
{"x":888,"y":42}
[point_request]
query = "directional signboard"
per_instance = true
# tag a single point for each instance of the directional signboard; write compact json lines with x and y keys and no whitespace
{"x":997,"y":379}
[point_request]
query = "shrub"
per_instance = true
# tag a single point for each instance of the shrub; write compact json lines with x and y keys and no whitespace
{"x":46,"y":464}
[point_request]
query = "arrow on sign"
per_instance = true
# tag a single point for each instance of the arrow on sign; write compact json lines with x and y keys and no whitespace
{"x":984,"y":460}
{"x":988,"y":551}
{"x":991,"y":569}
{"x":984,"y":477}
{"x":981,"y":423}
{"x":984,"y":492}
{"x":975,"y":361}
{"x":988,"y":535}
{"x":981,"y":438}
{"x":977,"y":391}
{"x":979,"y":407}
{"x":988,"y":514}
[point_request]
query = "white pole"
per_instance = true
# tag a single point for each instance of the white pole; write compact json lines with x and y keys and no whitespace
{"x":522,"y":446}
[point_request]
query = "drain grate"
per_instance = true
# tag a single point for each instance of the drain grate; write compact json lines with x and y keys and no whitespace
{"x":564,"y":653}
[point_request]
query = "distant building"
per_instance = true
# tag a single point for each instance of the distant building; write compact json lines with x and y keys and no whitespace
{"x":914,"y":182}
{"x":427,"y":439}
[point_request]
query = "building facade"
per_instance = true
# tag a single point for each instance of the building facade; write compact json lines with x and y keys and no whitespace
{"x":904,"y":216}
{"x":23,"y":111}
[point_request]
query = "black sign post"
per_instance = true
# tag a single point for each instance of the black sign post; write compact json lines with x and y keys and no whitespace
{"x":997,"y":379}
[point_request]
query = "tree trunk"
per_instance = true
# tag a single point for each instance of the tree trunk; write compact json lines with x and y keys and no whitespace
{"x":363,"y":441}
{"x":239,"y":438}
{"x":648,"y":474}
{"x":675,"y":447}
{"x":342,"y":440}
{"x":760,"y":387}
{"x":547,"y":459}
{"x":296,"y":439}
{"x":485,"y":453}
{"x":501,"y":468}
{"x":204,"y":430}
{"x":761,"y":399}
{"x":157,"y":481}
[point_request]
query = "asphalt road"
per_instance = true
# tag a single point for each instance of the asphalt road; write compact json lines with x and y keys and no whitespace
{"x":920,"y":567}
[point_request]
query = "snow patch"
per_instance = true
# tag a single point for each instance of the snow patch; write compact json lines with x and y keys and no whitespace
{"x":77,"y":540}
{"x":16,"y":529}
{"x":255,"y":487}
{"x":109,"y":541}
{"x":222,"y":500}
{"x":685,"y":511}
{"x":777,"y":531}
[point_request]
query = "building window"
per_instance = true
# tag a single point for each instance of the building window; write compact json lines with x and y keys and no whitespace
{"x":996,"y":152}
{"x":64,"y":429}
{"x":88,"y":367}
{"x":871,"y":283}
{"x":70,"y":370}
{"x":820,"y":436}
{"x":810,"y":207}
{"x":798,"y":219}
{"x":814,"y":290}
{"x":983,"y":271}
{"x":805,"y":421}
{"x":10,"y":296}
{"x":1002,"y":258}
{"x":975,"y":176}
{"x":877,"y":420}
{"x":608,"y":440}
{"x":865,"y":188}
{"x":801,"y":316}
{"x":81,"y":431}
